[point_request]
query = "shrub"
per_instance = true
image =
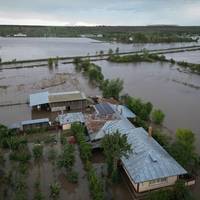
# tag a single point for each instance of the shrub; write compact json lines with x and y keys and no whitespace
{"x":72,"y":177}
{"x":158,"y":116}
{"x":37,"y":151}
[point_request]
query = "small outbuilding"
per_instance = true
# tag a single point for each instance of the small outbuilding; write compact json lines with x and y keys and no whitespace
{"x":35,"y":123}
{"x":66,"y":120}
{"x":60,"y":101}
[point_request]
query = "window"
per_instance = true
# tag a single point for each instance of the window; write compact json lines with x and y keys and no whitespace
{"x":157,"y":181}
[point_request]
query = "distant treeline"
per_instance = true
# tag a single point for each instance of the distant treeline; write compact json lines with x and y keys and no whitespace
{"x":120,"y":33}
{"x":148,"y":57}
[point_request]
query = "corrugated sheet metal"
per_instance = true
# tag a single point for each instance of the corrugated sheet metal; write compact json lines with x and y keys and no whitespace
{"x":66,"y":96}
{"x":149,"y":160}
{"x":46,"y":97}
{"x":34,"y":121}
{"x":122,"y":125}
{"x":71,"y":118}
{"x":123,"y":110}
{"x":39,"y":98}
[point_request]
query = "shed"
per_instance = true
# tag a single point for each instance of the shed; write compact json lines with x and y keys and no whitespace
{"x":35,"y":123}
{"x":66,"y":120}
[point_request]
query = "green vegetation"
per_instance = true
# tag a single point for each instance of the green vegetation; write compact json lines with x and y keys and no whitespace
{"x":162,"y":138}
{"x":148,"y":57}
{"x":150,"y":37}
{"x":53,"y":61}
{"x":38,"y":194}
{"x":140,"y":108}
{"x":183,"y":150}
{"x":143,"y":57}
{"x":85,"y":148}
{"x":125,"y":34}
{"x":191,"y":66}
{"x":37,"y":151}
{"x":67,"y":160}
{"x":112,"y":88}
{"x":54,"y":190}
{"x":95,"y":183}
{"x":114,"y":147}
{"x":50,"y":62}
{"x":158,"y":116}
{"x":180,"y":191}
{"x":91,"y":70}
{"x":67,"y":157}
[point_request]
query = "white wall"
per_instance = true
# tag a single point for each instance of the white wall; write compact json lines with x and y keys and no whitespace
{"x":145,"y":186}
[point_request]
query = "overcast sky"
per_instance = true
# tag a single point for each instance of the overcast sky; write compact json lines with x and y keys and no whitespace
{"x":101,"y":12}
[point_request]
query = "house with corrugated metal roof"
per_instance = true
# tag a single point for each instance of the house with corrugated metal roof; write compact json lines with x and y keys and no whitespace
{"x":66,"y":120}
{"x":149,"y":166}
{"x":73,"y":100}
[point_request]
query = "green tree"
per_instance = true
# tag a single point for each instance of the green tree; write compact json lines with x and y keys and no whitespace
{"x":95,"y":184}
{"x":115,"y":146}
{"x":67,"y":157}
{"x":158,"y":116}
{"x":112,"y":88}
{"x":117,"y":50}
{"x":110,"y":52}
{"x":101,"y":53}
{"x":50,"y":62}
{"x":183,"y":149}
{"x":180,"y":191}
{"x":162,"y":138}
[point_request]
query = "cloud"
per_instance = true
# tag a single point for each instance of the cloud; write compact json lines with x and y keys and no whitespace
{"x":104,"y":12}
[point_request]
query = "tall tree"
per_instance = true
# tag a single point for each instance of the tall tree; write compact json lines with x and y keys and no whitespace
{"x":112,"y":88}
{"x":183,"y":149}
{"x":115,"y":146}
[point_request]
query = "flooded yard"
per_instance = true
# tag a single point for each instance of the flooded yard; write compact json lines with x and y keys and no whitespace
{"x":46,"y":172}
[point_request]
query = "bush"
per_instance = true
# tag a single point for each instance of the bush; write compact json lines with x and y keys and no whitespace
{"x":50,"y":62}
{"x":37,"y":151}
{"x":22,"y":155}
{"x":158,"y":116}
{"x":72,"y":177}
{"x":95,"y":184}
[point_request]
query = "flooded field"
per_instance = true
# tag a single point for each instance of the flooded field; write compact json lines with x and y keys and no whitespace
{"x":187,"y":56}
{"x":46,"y":171}
{"x":164,"y":86}
{"x":35,"y":48}
{"x":17,"y":84}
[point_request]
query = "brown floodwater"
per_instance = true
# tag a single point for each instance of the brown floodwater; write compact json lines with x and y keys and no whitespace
{"x":176,"y":93}
{"x":20,"y":83}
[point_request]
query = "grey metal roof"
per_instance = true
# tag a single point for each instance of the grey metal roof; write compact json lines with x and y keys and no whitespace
{"x":71,"y":117}
{"x":16,"y":125}
{"x":123,"y":111}
{"x":122,"y":125}
{"x":34,"y":121}
{"x":66,"y":96}
{"x":149,"y":160}
{"x":104,"y":109}
{"x":46,"y":97}
{"x":39,"y":98}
